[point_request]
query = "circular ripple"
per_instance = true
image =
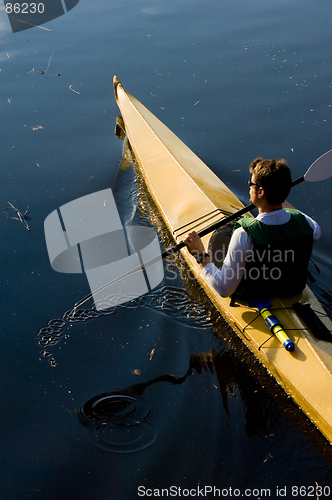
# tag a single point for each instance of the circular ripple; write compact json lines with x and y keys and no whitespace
{"x":118,"y":422}
{"x":124,"y":439}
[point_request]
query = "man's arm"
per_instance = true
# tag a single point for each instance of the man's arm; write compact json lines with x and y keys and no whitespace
{"x":225,"y":280}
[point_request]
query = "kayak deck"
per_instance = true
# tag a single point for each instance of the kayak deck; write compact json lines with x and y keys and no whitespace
{"x":189,"y":196}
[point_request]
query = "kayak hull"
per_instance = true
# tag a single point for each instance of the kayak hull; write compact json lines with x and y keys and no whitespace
{"x":189,"y":196}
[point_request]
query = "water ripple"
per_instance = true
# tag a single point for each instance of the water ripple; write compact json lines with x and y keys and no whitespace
{"x":117,"y":422}
{"x":170,"y":301}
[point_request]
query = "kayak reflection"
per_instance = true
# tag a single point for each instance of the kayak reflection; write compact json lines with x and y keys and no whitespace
{"x":119,"y":421}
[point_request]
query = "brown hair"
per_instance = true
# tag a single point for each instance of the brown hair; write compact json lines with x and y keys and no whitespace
{"x":275,"y":178}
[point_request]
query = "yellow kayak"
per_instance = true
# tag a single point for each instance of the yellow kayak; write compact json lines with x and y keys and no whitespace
{"x":189,"y":196}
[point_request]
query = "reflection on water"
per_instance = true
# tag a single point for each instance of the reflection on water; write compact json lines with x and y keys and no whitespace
{"x":118,"y":420}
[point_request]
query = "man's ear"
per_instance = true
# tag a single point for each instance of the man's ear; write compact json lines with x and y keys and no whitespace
{"x":261,"y":193}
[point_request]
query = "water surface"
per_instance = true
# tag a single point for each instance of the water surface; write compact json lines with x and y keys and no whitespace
{"x":234,"y":80}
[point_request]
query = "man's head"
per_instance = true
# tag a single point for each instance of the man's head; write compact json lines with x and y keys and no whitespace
{"x":274,"y":177}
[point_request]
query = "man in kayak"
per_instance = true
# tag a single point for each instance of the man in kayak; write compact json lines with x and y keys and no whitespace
{"x":268,"y":255}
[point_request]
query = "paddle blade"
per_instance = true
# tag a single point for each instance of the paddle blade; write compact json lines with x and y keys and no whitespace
{"x":321,"y":169}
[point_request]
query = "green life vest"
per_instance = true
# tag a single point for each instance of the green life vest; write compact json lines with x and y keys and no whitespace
{"x":278,"y":264}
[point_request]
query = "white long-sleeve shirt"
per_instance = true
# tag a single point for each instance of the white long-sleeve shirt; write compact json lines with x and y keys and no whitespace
{"x":227,"y":279}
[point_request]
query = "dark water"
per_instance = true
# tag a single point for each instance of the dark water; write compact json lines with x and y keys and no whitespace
{"x":86,"y":414}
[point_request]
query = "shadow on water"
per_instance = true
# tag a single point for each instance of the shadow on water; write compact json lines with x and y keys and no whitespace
{"x":118,"y":420}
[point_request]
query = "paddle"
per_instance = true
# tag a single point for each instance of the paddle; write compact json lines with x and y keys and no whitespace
{"x":320,"y":170}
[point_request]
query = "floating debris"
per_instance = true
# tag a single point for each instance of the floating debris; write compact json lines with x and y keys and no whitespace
{"x":268,"y":457}
{"x":41,"y":70}
{"x":152,"y":353}
{"x":20,"y":217}
{"x":30,"y":24}
{"x":49,"y":62}
{"x":71,"y":88}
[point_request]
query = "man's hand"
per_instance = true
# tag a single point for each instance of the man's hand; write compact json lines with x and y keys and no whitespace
{"x":195,"y":246}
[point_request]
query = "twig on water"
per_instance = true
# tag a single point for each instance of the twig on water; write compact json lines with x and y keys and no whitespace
{"x":30,"y":24}
{"x":71,"y":88}
{"x":20,"y":217}
{"x":49,"y":62}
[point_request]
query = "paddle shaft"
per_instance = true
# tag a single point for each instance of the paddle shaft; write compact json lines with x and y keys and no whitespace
{"x":220,"y":223}
{"x":178,"y":247}
{"x":211,"y":228}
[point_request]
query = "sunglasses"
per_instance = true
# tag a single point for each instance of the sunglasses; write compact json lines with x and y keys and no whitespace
{"x":250,"y":183}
